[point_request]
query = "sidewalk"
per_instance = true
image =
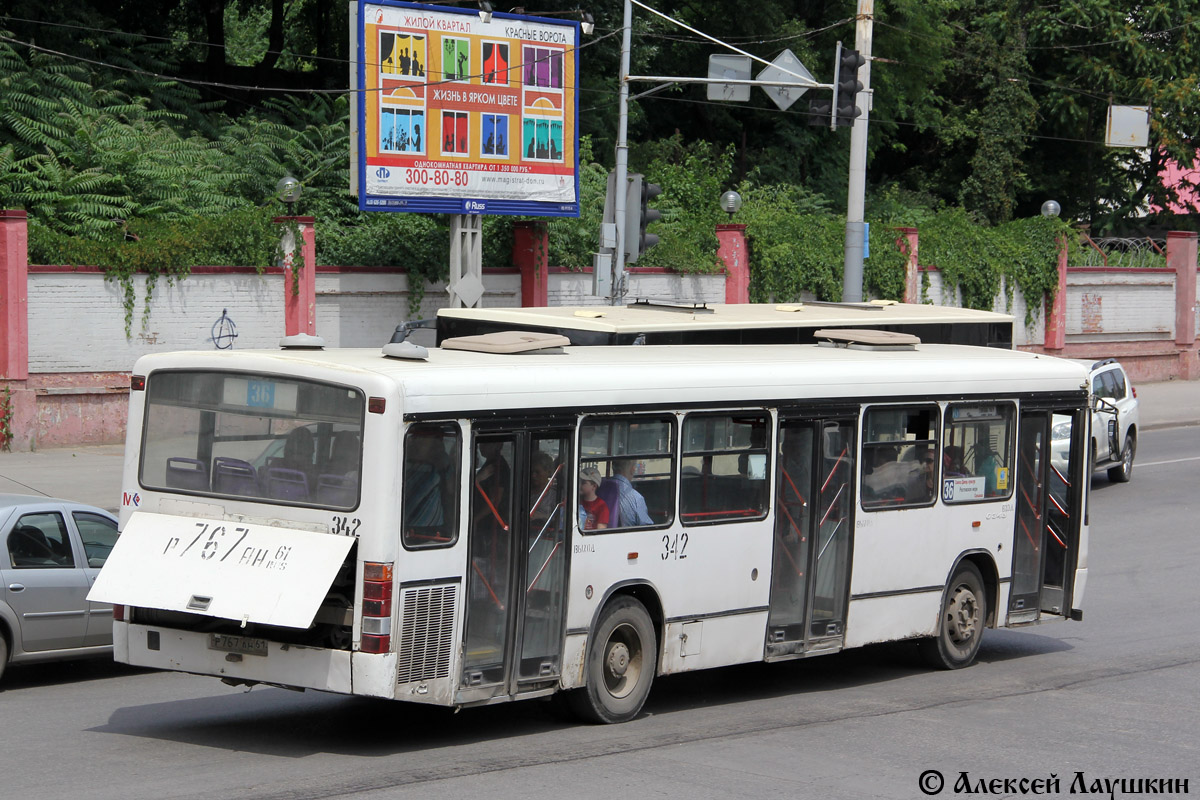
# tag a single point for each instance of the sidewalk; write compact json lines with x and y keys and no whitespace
{"x":93,"y":474}
{"x":90,"y":474}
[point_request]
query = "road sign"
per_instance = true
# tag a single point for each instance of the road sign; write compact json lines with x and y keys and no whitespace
{"x":732,"y":68}
{"x":786,"y":62}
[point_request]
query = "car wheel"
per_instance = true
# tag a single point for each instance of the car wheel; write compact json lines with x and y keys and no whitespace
{"x":3,"y":653}
{"x":1124,"y":471}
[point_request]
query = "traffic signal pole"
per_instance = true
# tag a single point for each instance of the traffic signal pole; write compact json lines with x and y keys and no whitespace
{"x":852,"y":275}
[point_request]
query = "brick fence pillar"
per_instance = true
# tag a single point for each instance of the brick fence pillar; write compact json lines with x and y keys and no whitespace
{"x":731,"y":249}
{"x":531,"y":255}
{"x":1056,"y":310}
{"x":14,"y":295}
{"x":912,"y":274}
{"x":1181,"y":256}
{"x":300,"y":291}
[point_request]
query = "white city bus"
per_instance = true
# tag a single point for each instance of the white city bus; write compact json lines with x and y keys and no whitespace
{"x":407,"y":523}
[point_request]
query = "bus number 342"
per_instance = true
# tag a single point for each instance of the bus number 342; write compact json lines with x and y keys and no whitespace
{"x":438,"y":177}
{"x":674,"y":546}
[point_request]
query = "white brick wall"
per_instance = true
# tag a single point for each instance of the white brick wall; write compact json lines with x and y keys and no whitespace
{"x":77,"y":321}
{"x":1120,"y":305}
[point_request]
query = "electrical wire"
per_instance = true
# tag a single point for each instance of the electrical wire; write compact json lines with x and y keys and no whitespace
{"x":278,"y":90}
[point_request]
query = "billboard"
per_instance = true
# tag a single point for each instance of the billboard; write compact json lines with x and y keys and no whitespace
{"x":456,"y":115}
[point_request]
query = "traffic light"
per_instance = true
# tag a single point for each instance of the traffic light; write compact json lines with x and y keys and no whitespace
{"x":845,"y":94}
{"x":819,"y":112}
{"x":639,"y":214}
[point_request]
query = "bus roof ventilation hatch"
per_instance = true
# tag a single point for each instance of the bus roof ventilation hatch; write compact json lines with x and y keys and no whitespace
{"x":302,"y":341}
{"x":408,"y":351}
{"x":866,"y":339}
{"x":509,"y":342}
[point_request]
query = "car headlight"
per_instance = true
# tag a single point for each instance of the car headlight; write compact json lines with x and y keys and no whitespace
{"x":1061,"y":431}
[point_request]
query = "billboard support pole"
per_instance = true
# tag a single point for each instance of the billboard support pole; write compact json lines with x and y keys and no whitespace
{"x":466,"y":261}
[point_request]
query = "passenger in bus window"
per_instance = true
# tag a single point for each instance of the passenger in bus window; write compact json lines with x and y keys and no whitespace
{"x":595,"y":508}
{"x":889,"y":476}
{"x":493,"y":478}
{"x":423,"y":469}
{"x":952,"y":462}
{"x":631,"y":506}
{"x":543,"y":488}
{"x":920,"y":481}
{"x":343,"y":458}
{"x":987,"y":461}
{"x":298,"y":452}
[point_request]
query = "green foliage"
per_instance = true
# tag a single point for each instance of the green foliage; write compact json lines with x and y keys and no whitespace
{"x":974,"y":258}
{"x":161,"y":248}
{"x":419,"y":243}
{"x":692,"y":179}
{"x":573,"y":240}
{"x":797,"y":245}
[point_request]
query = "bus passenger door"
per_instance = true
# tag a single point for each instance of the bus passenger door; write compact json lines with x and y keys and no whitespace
{"x":516,"y":581}
{"x":1049,"y":483}
{"x":810,"y":573}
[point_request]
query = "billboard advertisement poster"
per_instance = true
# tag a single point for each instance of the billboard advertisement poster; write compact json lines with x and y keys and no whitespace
{"x":456,"y":115}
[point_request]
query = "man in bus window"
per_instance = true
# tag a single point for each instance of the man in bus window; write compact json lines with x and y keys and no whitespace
{"x":631,"y":505}
{"x":920,"y":482}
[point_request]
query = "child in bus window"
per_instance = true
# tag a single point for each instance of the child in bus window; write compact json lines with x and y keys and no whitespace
{"x":595,"y":508}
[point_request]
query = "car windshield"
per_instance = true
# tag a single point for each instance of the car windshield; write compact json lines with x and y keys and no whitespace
{"x":277,"y":440}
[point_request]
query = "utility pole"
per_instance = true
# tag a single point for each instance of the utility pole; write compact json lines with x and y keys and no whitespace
{"x":852,"y":275}
{"x":622,"y":166}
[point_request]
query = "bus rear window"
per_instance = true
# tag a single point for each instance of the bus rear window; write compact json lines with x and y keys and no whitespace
{"x":276,"y":440}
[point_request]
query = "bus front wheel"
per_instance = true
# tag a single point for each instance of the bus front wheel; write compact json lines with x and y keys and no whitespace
{"x":621,"y":661}
{"x":960,"y":628}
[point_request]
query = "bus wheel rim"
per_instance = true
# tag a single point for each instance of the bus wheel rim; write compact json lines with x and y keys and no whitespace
{"x":962,"y":616}
{"x":622,"y":661}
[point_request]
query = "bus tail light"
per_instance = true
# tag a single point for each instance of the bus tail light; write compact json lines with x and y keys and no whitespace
{"x":118,"y":613}
{"x":377,"y":607}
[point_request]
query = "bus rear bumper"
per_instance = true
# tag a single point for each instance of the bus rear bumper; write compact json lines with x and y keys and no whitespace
{"x":187,"y":651}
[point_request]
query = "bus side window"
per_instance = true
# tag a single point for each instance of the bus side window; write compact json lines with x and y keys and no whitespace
{"x":635,"y":458}
{"x":982,"y":434}
{"x":432,"y":461}
{"x":724,"y":473}
{"x":900,"y":457}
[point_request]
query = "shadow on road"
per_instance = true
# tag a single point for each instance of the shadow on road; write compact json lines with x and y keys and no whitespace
{"x":278,"y":722}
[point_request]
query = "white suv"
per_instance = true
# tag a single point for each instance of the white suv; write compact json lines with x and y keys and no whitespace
{"x":1114,"y":419}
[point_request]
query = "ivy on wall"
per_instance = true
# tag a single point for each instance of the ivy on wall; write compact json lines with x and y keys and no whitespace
{"x":162,"y":249}
{"x":974,"y":258}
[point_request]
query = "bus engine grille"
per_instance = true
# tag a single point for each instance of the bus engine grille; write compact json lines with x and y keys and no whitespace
{"x":426,"y":633}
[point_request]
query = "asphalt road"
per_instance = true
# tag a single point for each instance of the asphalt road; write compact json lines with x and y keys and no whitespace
{"x":1111,"y":697}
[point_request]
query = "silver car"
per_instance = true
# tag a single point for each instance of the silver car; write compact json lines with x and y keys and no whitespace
{"x":50,"y":553}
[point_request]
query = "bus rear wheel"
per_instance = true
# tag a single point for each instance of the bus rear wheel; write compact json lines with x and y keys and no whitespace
{"x":621,"y":661}
{"x":960,"y":627}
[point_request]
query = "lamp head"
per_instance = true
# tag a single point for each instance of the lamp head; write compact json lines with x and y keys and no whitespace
{"x":485,"y":11}
{"x":588,"y":25}
{"x":1050,"y":208}
{"x":288,"y":189}
{"x":731,"y":202}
